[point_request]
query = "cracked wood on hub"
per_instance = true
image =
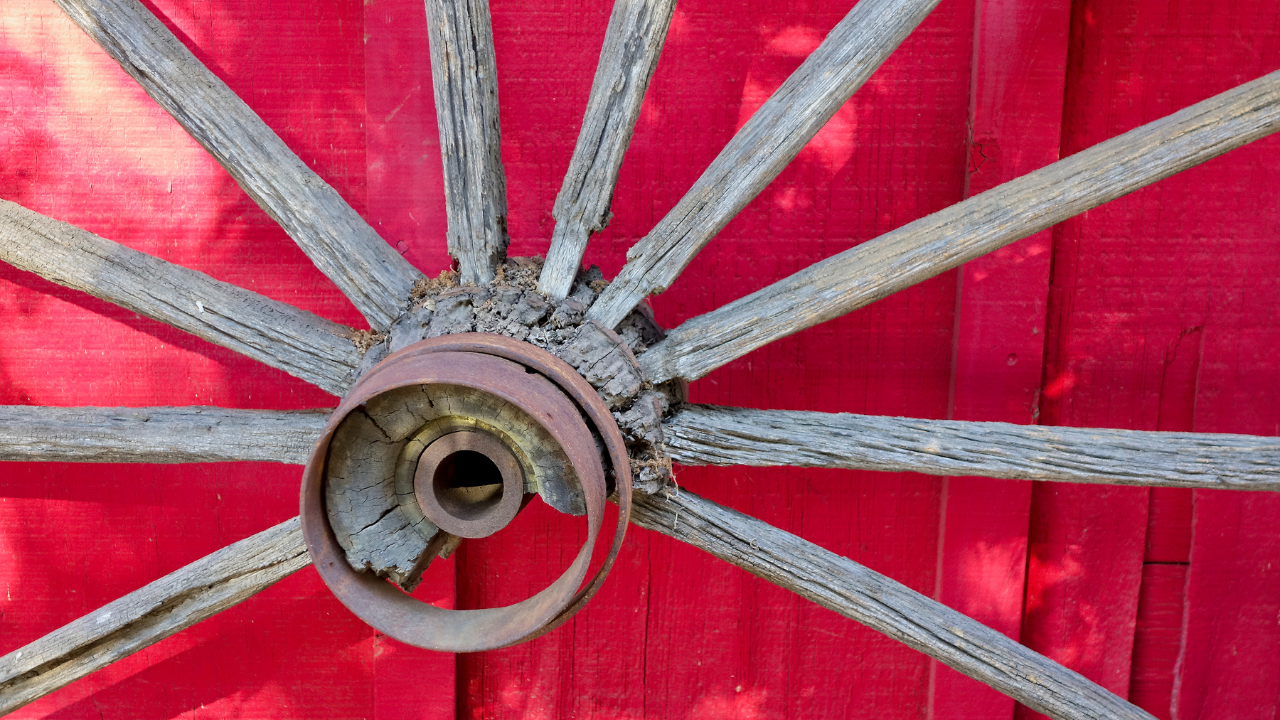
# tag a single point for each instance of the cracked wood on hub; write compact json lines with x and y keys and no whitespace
{"x":340,"y":243}
{"x":464,"y":78}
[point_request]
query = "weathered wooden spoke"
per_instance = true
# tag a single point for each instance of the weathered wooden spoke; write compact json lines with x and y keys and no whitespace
{"x":465,"y":79}
{"x":157,"y":434}
{"x":859,"y":44}
{"x":707,"y":435}
{"x":882,"y":604}
{"x":949,"y":238}
{"x":632,"y":44}
{"x":302,"y":344}
{"x":340,"y":243}
{"x":150,"y":614}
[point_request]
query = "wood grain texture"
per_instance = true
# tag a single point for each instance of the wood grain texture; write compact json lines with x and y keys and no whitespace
{"x":632,"y":44}
{"x":969,"y":229}
{"x":340,"y":243}
{"x":157,"y":434}
{"x":464,"y":77}
{"x":881,"y":603}
{"x":851,"y":52}
{"x":282,"y":336}
{"x":151,"y":614}
{"x":708,"y":435}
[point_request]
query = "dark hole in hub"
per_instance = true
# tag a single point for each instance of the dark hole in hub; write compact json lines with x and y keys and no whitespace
{"x":467,"y":484}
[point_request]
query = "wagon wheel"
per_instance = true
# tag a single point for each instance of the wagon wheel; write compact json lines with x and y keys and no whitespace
{"x":394,"y":299}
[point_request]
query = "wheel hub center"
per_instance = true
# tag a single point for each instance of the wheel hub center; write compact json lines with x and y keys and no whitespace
{"x":469,"y":484}
{"x":447,"y":439}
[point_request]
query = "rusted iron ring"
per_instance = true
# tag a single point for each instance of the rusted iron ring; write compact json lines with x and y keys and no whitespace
{"x":477,"y":512}
{"x":537,"y":383}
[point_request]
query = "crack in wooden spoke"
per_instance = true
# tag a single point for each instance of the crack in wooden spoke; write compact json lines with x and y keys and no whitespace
{"x":766,"y":144}
{"x":150,"y":614}
{"x":298,"y":342}
{"x":632,"y":44}
{"x":157,"y":434}
{"x":342,"y":245}
{"x":988,"y":221}
{"x":882,"y":604}
{"x":708,"y":435}
{"x":465,"y":80}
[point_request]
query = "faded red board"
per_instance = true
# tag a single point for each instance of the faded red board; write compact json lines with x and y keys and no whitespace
{"x":673,"y":633}
{"x":84,"y":144}
{"x":1020,"y":52}
{"x":1162,"y":317}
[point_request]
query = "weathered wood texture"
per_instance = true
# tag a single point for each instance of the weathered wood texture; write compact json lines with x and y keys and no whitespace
{"x":340,"y":243}
{"x":708,"y":435}
{"x":465,"y":80}
{"x":881,"y":603}
{"x":969,"y":229}
{"x":852,"y":51}
{"x":151,"y":614}
{"x":296,"y":341}
{"x":157,"y":434}
{"x":632,"y":44}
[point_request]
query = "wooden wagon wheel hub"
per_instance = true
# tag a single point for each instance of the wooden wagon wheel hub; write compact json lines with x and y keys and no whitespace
{"x":448,"y":439}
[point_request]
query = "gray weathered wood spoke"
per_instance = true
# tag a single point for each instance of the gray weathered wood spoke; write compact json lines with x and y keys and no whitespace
{"x":851,"y":52}
{"x":150,"y":614}
{"x":340,"y":243}
{"x":709,"y":435}
{"x":988,"y":221}
{"x":632,"y":44}
{"x":882,"y":604}
{"x":157,"y":434}
{"x":302,"y":344}
{"x":465,"y":80}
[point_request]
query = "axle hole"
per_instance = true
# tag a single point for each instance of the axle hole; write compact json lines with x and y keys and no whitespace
{"x":467,"y":484}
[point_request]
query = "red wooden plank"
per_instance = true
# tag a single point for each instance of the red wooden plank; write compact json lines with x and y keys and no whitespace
{"x":83,"y":143}
{"x":1157,"y":642}
{"x":406,"y":199}
{"x":1230,"y":662}
{"x":1150,"y":297}
{"x":406,"y":206}
{"x":1019,"y":66}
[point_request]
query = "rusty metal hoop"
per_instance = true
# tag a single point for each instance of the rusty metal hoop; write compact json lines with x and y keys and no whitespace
{"x":551,"y":392}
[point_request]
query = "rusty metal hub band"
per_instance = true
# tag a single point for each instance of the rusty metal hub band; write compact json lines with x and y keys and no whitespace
{"x":462,"y":506}
{"x":557,"y":398}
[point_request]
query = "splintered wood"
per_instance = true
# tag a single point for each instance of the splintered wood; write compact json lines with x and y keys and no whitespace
{"x":369,"y":489}
{"x":608,"y":359}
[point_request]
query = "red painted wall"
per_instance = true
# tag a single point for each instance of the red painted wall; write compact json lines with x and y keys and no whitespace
{"x":1158,"y":311}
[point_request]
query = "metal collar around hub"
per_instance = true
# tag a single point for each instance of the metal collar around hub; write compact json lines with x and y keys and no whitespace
{"x":469,"y":480}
